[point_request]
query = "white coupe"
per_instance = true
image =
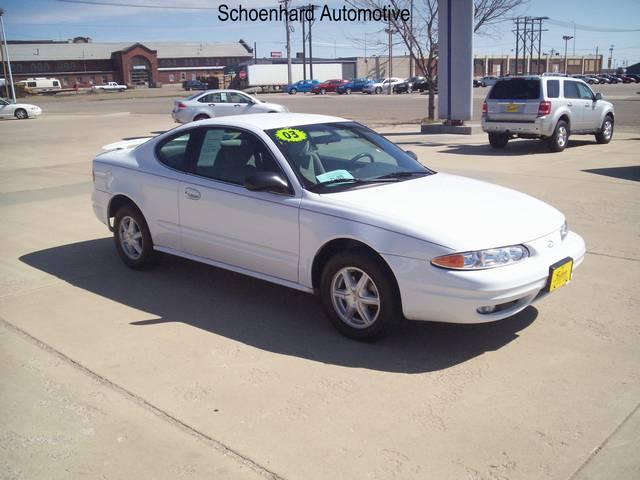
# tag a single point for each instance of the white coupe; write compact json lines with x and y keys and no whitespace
{"x":21,"y":111}
{"x":322,"y":204}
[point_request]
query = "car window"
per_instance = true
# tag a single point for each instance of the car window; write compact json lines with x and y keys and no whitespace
{"x":585,"y":92}
{"x":217,"y":97}
{"x":571,"y":89}
{"x":553,"y":88}
{"x":31,"y":84}
{"x":515,"y":89}
{"x":231,"y":155}
{"x":173,"y":152}
{"x":235,"y":97}
{"x":322,"y":152}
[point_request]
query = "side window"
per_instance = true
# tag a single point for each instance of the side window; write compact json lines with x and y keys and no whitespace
{"x":212,"y":98}
{"x":31,"y":84}
{"x":585,"y":92}
{"x":173,"y":152}
{"x":234,"y":97}
{"x":56,"y":84}
{"x":231,"y":155}
{"x":571,"y":89}
{"x":553,"y":88}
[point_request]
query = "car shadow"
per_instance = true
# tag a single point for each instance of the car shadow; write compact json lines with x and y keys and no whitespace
{"x":625,"y":173}
{"x":264,"y":315}
{"x":513,"y":148}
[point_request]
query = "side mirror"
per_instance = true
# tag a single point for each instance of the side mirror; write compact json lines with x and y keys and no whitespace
{"x":598,"y":96}
{"x":411,"y":154}
{"x":266,"y":182}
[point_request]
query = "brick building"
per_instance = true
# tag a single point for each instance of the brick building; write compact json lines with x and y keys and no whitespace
{"x":137,"y":64}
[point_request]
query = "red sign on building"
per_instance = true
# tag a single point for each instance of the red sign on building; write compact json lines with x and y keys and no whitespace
{"x":276,"y":54}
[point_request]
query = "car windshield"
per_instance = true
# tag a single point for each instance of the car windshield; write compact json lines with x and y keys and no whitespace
{"x":340,"y":155}
{"x":516,"y":89}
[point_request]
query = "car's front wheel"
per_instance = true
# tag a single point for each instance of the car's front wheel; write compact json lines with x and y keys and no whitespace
{"x":378,"y":90}
{"x":560,"y":138}
{"x":133,"y":238}
{"x":606,"y":131}
{"x":348,"y":90}
{"x":498,"y":140}
{"x":21,"y":114}
{"x":359,"y":295}
{"x":293,"y":91}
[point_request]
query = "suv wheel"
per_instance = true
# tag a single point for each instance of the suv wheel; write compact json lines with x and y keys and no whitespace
{"x":359,"y":296}
{"x":606,"y":131}
{"x":558,"y":141}
{"x":498,"y":140}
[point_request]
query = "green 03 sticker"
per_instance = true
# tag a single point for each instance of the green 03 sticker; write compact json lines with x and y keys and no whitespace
{"x":291,"y":135}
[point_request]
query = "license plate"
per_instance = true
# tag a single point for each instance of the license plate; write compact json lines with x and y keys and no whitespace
{"x":511,"y":108}
{"x":560,"y":274}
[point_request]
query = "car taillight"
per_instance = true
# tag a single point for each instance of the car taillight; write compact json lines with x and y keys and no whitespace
{"x":544,"y":108}
{"x":181,"y":106}
{"x":485,"y":108}
{"x":93,"y":175}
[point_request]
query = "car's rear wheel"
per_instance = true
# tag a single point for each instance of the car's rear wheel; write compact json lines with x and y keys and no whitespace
{"x":606,"y":131}
{"x":348,"y":91}
{"x":133,"y":238}
{"x":21,"y":114}
{"x":323,"y":91}
{"x":378,"y":90}
{"x":498,"y":140}
{"x":293,"y":91}
{"x":359,"y":295}
{"x":201,"y":117}
{"x":560,"y":138}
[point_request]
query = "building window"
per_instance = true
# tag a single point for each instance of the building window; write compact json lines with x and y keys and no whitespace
{"x":183,"y":76}
{"x":105,"y":79}
{"x":79,"y":79}
{"x":172,"y":78}
{"x":65,"y":81}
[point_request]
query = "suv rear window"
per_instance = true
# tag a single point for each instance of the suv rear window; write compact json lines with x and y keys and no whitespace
{"x":516,"y":89}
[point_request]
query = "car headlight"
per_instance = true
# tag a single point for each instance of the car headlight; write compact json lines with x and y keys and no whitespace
{"x":564,"y":229}
{"x":481,"y":259}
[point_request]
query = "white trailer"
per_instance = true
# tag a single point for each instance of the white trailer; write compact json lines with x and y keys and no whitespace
{"x":274,"y":77}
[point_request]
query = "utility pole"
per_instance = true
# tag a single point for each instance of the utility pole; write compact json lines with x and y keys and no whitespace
{"x":304,"y":50}
{"x":517,"y":43}
{"x":610,"y":56}
{"x":255,"y":54}
{"x":574,"y":39}
{"x":566,"y":39}
{"x":286,"y":23}
{"x":389,"y":30}
{"x":597,"y":61}
{"x":6,"y":56}
{"x":312,"y":7}
{"x":410,"y":42}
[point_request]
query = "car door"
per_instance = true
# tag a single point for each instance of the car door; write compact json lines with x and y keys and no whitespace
{"x":224,"y":222}
{"x":575,"y":104}
{"x":6,"y":109}
{"x":241,"y":104}
{"x":217,"y":105}
{"x":591,"y":109}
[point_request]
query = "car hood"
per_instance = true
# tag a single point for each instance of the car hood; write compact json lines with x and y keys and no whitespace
{"x":452,"y":211}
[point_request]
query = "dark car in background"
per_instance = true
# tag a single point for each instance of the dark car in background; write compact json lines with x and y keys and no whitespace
{"x":328,"y":86}
{"x":636,"y":78}
{"x":194,"y":85}
{"x":353,"y":85}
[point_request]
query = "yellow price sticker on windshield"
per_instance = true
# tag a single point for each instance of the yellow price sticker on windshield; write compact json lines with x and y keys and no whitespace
{"x":291,"y":135}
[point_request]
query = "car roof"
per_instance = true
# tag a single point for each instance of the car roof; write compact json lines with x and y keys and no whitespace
{"x":267,"y":121}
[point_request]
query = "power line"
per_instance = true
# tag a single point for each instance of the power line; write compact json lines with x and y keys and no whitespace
{"x":588,"y":28}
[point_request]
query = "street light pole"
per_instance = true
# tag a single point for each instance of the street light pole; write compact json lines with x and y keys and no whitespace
{"x":566,"y":39}
{"x":6,"y":56}
{"x":286,"y":23}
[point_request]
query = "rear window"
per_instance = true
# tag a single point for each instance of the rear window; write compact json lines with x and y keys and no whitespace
{"x":516,"y":89}
{"x":553,"y":88}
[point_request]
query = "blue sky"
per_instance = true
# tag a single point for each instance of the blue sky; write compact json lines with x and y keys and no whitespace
{"x":52,"y":19}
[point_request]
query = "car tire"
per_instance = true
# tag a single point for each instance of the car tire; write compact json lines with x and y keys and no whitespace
{"x":498,"y":140}
{"x":133,"y":239}
{"x":382,"y":307}
{"x":202,"y":116}
{"x":606,"y":130}
{"x":560,"y":138}
{"x":348,"y":91}
{"x":378,"y":90}
{"x":323,"y":91}
{"x":21,"y":114}
{"x":293,"y":91}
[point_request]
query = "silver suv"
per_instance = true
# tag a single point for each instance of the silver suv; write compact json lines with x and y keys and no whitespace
{"x":547,"y":107}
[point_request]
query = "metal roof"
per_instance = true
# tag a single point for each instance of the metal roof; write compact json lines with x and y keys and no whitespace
{"x":34,"y":52}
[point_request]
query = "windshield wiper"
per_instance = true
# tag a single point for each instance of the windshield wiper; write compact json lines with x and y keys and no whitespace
{"x":403,"y":174}
{"x":353,"y":181}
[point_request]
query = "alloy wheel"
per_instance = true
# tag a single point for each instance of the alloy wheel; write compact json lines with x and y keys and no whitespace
{"x":355,"y":297}
{"x":130,"y":238}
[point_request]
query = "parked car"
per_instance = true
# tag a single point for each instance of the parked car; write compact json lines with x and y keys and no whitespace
{"x":303,"y":86}
{"x":328,"y":86}
{"x":353,"y":85}
{"x":488,"y":81}
{"x":21,"y":111}
{"x":381,"y":85}
{"x":636,"y":78}
{"x":545,"y":107}
{"x":194,"y":85}
{"x":625,"y":78}
{"x":311,"y":202}
{"x":586,"y":79}
{"x":612,"y":78}
{"x":412,"y":84}
{"x":109,"y":87}
{"x":220,"y":103}
{"x":476,"y":83}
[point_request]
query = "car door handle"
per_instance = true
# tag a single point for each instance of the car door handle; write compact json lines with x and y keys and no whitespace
{"x":192,"y":193}
{"x":569,"y":104}
{"x":237,"y":105}
{"x":212,"y":104}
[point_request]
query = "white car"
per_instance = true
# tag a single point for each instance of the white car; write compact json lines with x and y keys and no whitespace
{"x":220,"y":103}
{"x":383,"y":86}
{"x":322,"y":204}
{"x":21,"y":111}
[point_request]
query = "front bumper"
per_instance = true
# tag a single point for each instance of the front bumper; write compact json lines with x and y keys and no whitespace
{"x":34,"y":113}
{"x":434,"y":294}
{"x":541,"y":126}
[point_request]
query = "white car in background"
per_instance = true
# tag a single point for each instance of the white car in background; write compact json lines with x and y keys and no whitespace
{"x":220,"y":103}
{"x":323,"y":204}
{"x":383,"y":86}
{"x":21,"y":111}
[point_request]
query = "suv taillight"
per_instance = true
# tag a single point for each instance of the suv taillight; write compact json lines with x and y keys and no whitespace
{"x":485,"y":108}
{"x":544,"y":108}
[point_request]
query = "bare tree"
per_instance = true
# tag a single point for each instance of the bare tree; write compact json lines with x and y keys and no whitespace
{"x":422,"y":39}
